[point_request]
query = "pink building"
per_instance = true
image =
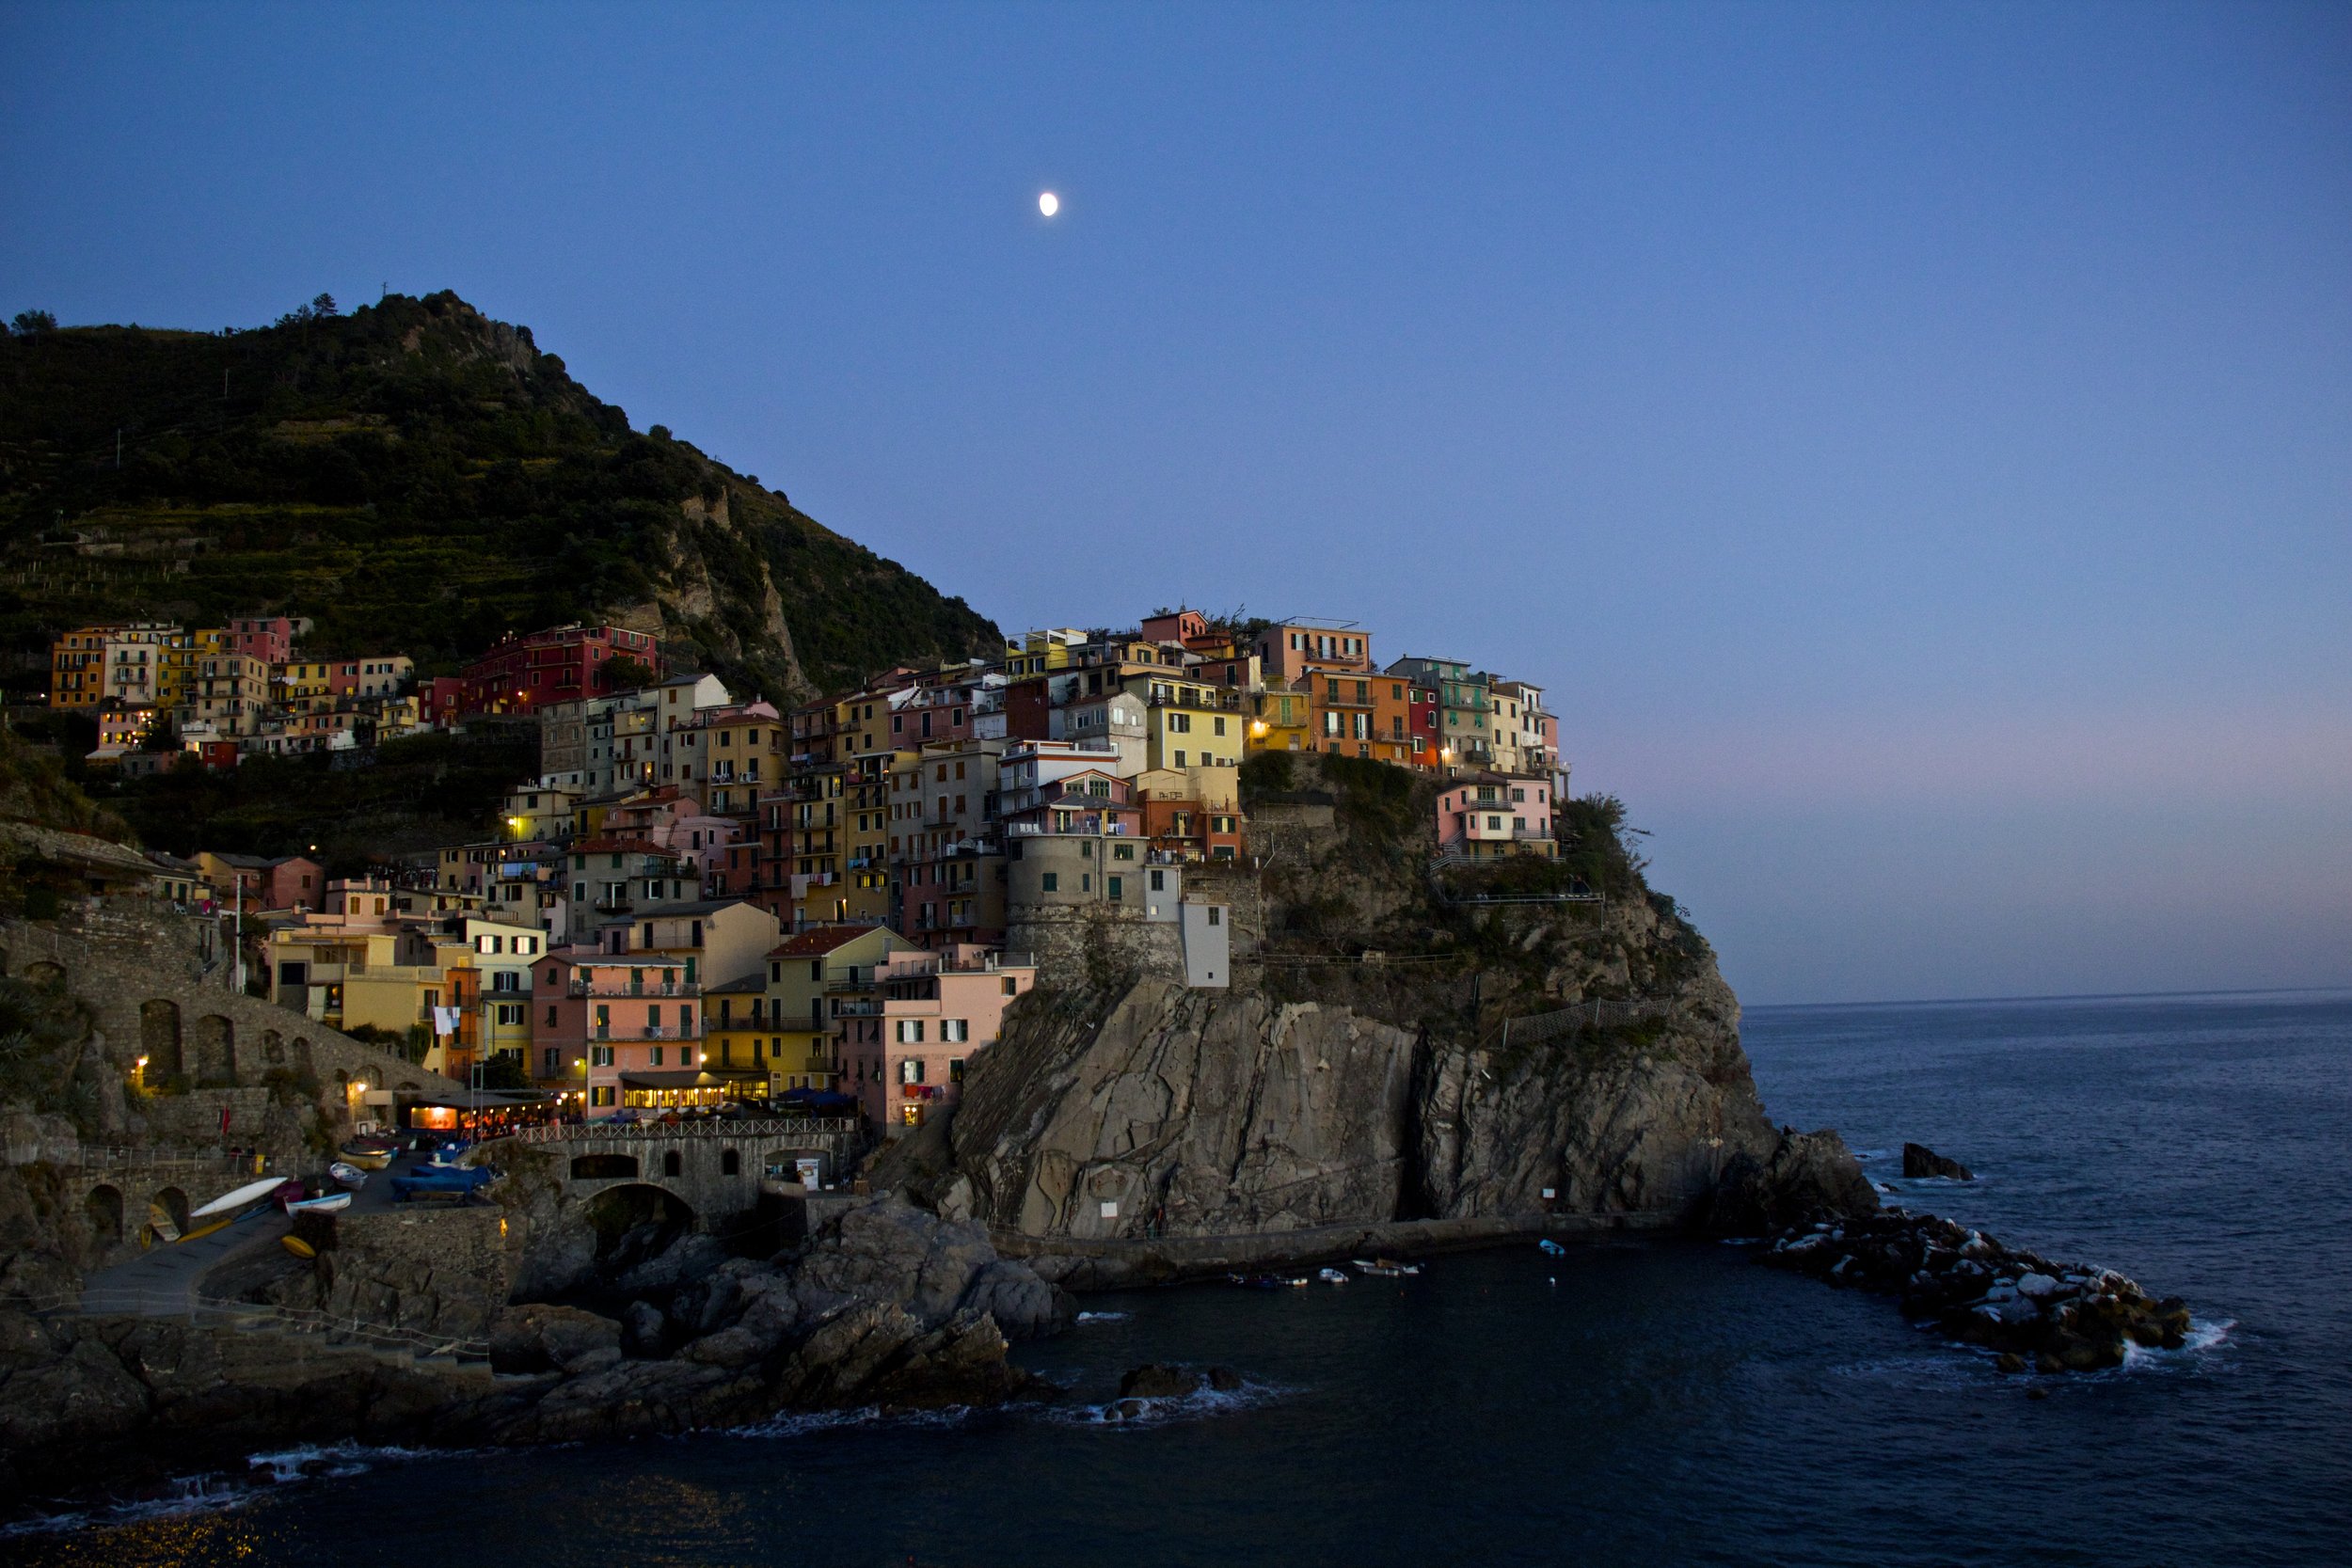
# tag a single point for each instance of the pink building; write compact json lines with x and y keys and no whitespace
{"x":269,"y":638}
{"x":1485,"y":814}
{"x":937,"y":1010}
{"x":619,"y":1029}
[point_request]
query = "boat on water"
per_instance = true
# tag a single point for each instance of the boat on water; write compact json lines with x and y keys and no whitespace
{"x":347,"y":1175}
{"x":1334,"y":1276}
{"x":1552,"y":1248}
{"x":326,"y":1203}
{"x":1264,"y":1281}
{"x":1385,"y":1268}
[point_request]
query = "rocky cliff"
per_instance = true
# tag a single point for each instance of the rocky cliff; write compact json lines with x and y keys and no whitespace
{"x":1405,"y":1043}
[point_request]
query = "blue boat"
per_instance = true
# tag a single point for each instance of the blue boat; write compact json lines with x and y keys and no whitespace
{"x":440,"y":1182}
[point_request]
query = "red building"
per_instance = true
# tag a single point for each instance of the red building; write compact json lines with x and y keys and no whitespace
{"x":441,"y":699}
{"x":521,"y":674}
{"x":268,"y":638}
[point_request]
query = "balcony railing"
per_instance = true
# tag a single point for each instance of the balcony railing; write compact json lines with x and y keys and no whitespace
{"x":633,"y":987}
{"x":642,"y":1032}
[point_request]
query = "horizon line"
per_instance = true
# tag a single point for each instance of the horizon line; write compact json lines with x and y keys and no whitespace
{"x":2062,"y":996}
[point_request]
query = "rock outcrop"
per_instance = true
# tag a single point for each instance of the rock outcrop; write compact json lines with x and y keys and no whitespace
{"x":2052,"y":1317}
{"x":1920,"y":1162}
{"x":883,"y":1305}
{"x":1485,"y":1060}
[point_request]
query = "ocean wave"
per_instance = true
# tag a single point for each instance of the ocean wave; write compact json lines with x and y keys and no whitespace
{"x":811,"y":1423}
{"x":1104,"y":1317}
{"x":216,"y":1492}
{"x":1200,"y":1405}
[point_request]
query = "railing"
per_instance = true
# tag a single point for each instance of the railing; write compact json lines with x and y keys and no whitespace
{"x":643,"y":1032}
{"x":628,"y":988}
{"x":1606,"y":1013}
{"x":778,"y":1126}
{"x":857,"y":1010}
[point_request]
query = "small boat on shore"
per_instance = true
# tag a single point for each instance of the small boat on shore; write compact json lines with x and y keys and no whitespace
{"x":347,"y":1175}
{"x":326,"y":1203}
{"x":368,"y":1153}
{"x":1334,"y":1276}
{"x":251,"y":1193}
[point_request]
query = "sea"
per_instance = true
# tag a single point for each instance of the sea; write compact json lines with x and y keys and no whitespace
{"x":1646,"y":1403}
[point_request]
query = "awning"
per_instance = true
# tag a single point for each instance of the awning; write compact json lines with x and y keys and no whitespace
{"x":684,"y":1078}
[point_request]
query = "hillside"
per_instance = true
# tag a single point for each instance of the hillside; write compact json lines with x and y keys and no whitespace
{"x":415,"y":478}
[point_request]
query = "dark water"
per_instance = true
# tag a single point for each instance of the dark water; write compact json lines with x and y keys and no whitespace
{"x":1649,"y":1405}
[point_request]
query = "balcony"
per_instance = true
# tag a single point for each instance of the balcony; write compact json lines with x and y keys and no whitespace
{"x":626,"y":988}
{"x":627,"y":1032}
{"x":856,"y":1010}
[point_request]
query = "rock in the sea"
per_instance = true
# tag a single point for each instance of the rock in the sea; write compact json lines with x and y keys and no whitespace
{"x":2008,"y":1301}
{"x":1224,"y":1380}
{"x":1920,"y":1161}
{"x":1154,"y":1380}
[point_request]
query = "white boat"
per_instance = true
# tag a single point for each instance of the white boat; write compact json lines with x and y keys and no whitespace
{"x":328,"y":1204}
{"x":347,"y":1175}
{"x":1383,"y":1267}
{"x":1334,"y":1276}
{"x":252,"y":1191}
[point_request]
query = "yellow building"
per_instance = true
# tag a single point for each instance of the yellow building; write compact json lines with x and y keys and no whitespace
{"x":821,"y":993}
{"x":1042,"y":652}
{"x":1191,"y":724}
{"x":77,"y":667}
{"x":1281,"y":722}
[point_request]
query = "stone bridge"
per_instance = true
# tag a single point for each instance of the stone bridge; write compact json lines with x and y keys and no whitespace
{"x":714,"y":1169}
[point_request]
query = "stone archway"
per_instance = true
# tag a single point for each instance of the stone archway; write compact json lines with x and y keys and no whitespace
{"x":730,"y":1163}
{"x":216,"y":1053}
{"x":603,"y":1167}
{"x":272,"y":1048}
{"x":103,"y":1209}
{"x":44,"y":973}
{"x":672,"y":1163}
{"x":159,"y":1037}
{"x":636,"y":1222}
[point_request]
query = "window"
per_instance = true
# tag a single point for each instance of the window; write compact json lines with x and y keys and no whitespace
{"x":1159,"y":881}
{"x":1123,"y":852}
{"x":954,"y":1031}
{"x":1012,"y":987}
{"x":550,"y":1015}
{"x":910,"y":1031}
{"x":657,"y":1055}
{"x":911,"y":1070}
{"x":1086,"y":881}
{"x":599,"y":1056}
{"x":1112,"y":885}
{"x":510,"y":1012}
{"x":1219,"y":725}
{"x":1216,"y":914}
{"x":1180,"y":759}
{"x":600,"y":1095}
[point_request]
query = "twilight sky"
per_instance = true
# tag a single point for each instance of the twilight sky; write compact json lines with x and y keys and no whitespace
{"x":1914,"y":444}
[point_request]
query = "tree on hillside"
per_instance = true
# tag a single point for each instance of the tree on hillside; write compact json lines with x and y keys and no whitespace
{"x":324,"y":307}
{"x":627,"y":674}
{"x":27,"y":322}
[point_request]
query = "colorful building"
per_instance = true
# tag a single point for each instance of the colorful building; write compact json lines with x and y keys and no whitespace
{"x":520,"y":675}
{"x":936,"y":1010}
{"x":1484,"y":816}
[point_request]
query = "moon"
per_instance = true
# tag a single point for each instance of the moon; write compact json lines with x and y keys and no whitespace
{"x":1048,"y":203}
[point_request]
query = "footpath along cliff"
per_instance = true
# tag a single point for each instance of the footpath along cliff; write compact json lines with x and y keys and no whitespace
{"x":1411,"y":1053}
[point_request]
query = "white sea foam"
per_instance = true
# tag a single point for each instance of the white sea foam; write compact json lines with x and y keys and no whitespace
{"x":1200,"y":1405}
{"x":1105,"y":1316}
{"x":216,"y":1493}
{"x":810,"y":1423}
